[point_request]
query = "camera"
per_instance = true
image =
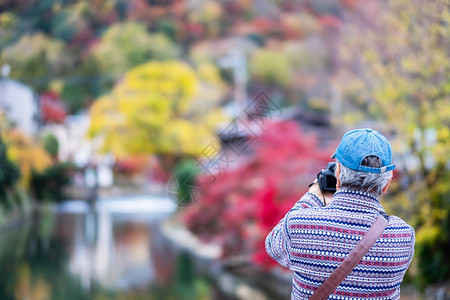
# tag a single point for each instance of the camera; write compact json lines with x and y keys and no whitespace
{"x":327,"y":179}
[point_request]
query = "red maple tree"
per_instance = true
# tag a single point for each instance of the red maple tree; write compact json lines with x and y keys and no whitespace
{"x":52,"y":108}
{"x":242,"y":205}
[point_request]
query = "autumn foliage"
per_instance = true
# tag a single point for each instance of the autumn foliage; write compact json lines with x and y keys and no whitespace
{"x":241,"y":206}
{"x":164,"y":108}
{"x":52,"y":108}
{"x":27,"y":154}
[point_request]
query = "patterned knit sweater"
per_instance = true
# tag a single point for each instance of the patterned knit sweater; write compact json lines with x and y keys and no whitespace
{"x":312,"y":240}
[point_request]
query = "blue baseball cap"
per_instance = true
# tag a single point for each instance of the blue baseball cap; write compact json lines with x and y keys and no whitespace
{"x":360,"y":143}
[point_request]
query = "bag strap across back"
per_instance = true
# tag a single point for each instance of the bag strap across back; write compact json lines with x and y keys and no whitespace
{"x":350,"y":262}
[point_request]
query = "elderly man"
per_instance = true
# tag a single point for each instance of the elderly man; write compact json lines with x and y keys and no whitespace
{"x":319,"y":232}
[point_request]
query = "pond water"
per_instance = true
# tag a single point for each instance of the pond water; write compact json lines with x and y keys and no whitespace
{"x":112,"y":250}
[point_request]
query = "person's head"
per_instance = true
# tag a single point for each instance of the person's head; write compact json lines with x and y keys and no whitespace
{"x":364,"y":162}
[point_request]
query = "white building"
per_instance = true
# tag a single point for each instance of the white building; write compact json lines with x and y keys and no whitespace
{"x":21,"y":105}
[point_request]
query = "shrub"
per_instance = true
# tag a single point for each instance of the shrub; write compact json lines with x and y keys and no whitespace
{"x":49,"y":184}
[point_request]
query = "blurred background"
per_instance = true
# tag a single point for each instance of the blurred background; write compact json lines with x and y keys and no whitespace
{"x":147,"y":147}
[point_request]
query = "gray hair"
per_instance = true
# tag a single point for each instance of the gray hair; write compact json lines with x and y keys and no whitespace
{"x":365,"y":182}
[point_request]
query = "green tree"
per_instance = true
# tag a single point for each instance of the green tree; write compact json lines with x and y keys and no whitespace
{"x":397,"y":71}
{"x":70,"y":20}
{"x":88,"y":83}
{"x":121,"y":47}
{"x":8,"y":28}
{"x":51,"y":145}
{"x":208,"y":13}
{"x":37,"y":59}
{"x":9,"y":172}
{"x":126,"y":45}
{"x":271,"y":67}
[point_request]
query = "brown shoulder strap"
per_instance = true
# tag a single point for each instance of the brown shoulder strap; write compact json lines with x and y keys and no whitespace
{"x":350,"y":262}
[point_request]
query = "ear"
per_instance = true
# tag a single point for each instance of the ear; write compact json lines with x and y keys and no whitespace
{"x":336,"y":173}
{"x":387,"y":185}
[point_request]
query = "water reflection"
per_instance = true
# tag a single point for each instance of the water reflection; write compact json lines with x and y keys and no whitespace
{"x":113,"y":250}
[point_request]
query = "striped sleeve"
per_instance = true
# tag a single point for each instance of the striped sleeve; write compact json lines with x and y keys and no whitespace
{"x":413,"y":241}
{"x":309,"y":200}
{"x":278,"y":240}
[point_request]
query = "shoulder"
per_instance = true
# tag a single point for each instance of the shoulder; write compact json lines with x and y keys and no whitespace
{"x":398,"y":222}
{"x":399,"y":226}
{"x":306,"y":207}
{"x":309,"y":200}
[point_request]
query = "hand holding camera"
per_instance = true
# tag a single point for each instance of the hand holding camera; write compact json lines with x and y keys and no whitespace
{"x":327,"y":178}
{"x":326,"y":186}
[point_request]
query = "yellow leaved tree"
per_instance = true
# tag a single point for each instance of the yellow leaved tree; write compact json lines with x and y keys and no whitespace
{"x":163,"y":108}
{"x":27,"y":154}
{"x":23,"y":151}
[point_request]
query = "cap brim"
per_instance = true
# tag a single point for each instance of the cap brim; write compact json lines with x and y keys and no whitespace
{"x":333,"y":156}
